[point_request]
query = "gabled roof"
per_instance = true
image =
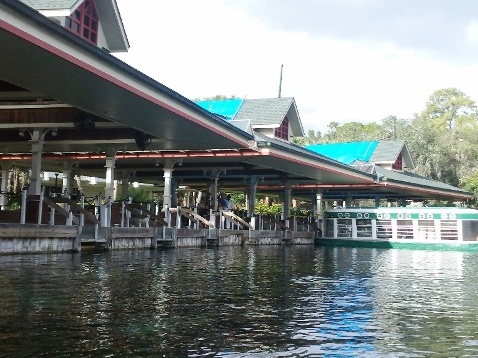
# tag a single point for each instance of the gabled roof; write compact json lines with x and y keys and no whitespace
{"x":262,"y":113}
{"x":108,"y":13}
{"x":270,"y":112}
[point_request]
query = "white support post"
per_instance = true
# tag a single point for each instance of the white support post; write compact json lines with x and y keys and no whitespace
{"x":167,"y":215}
{"x":52,"y":216}
{"x":35,"y":174}
{"x":70,"y":218}
{"x":167,"y":187}
{"x":82,"y":216}
{"x":3,"y":189}
{"x":110,"y":178}
{"x":23,"y":208}
{"x":123,"y":212}
{"x":40,"y":206}
{"x":178,"y":217}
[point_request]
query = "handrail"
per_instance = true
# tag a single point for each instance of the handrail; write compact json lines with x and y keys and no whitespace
{"x":58,"y":208}
{"x":76,"y":207}
{"x":191,"y":215}
{"x":237,"y":219}
{"x":135,"y":209}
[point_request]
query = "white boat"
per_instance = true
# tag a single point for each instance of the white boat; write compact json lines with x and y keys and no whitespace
{"x":445,"y":228}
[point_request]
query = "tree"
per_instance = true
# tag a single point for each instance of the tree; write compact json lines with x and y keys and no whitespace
{"x":354,"y":132}
{"x":442,"y":137}
{"x":218,"y":97}
{"x":311,"y":138}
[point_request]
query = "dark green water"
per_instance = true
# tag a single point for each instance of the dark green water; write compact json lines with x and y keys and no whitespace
{"x":240,"y":302}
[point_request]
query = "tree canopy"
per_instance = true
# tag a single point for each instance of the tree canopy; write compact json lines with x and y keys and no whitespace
{"x":441,"y":138}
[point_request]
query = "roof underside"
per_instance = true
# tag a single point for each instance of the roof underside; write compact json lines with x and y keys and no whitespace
{"x":103,"y":86}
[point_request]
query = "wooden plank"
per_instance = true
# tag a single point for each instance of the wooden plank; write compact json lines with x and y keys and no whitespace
{"x":188,"y":213}
{"x":152,"y":215}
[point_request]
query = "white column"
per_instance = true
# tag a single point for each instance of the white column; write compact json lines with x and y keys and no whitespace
{"x":213,"y":189}
{"x":318,"y":200}
{"x":319,"y":214}
{"x":110,"y":178}
{"x":4,"y":187}
{"x":35,"y":174}
{"x":167,"y":187}
{"x":66,"y":181}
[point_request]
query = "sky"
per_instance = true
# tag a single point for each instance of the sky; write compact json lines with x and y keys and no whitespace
{"x":343,"y":60}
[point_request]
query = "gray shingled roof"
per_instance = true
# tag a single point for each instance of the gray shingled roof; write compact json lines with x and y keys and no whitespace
{"x":408,"y":178}
{"x":50,"y":4}
{"x":387,"y":151}
{"x":264,"y":111}
{"x":271,"y":112}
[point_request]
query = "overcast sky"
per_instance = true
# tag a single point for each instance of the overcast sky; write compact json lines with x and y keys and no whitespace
{"x":344,"y":60}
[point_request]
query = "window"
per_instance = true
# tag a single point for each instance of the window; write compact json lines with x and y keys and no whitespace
{"x":398,"y":165}
{"x":364,"y":228}
{"x":283,"y":131}
{"x":384,"y":229}
{"x":84,"y":22}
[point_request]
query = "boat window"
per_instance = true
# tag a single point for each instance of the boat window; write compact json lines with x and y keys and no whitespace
{"x":426,"y":230}
{"x":364,"y":228}
{"x":329,"y":228}
{"x":384,"y":229}
{"x":449,"y":230}
{"x":404,"y":229}
{"x":344,"y":227}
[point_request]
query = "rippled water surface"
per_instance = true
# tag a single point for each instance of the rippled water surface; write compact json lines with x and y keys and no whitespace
{"x":240,"y":302}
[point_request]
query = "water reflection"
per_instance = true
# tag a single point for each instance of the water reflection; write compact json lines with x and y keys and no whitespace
{"x":240,"y":302}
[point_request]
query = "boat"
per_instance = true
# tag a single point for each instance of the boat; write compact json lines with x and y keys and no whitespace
{"x":437,"y":228}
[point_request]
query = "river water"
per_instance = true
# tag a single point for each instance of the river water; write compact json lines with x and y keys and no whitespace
{"x":267,"y":301}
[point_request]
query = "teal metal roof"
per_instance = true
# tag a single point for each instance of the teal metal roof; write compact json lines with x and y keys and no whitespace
{"x":226,"y":108}
{"x":346,"y":153}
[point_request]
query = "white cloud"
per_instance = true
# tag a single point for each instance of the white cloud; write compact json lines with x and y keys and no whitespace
{"x":204,"y":48}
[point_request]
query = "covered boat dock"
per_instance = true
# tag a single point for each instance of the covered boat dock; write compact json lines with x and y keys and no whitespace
{"x":69,"y":107}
